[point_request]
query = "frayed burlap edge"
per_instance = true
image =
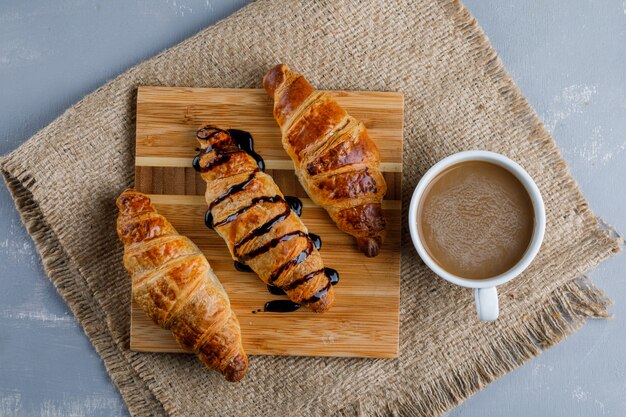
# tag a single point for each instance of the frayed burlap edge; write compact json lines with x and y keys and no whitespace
{"x":75,"y":292}
{"x":562,"y":311}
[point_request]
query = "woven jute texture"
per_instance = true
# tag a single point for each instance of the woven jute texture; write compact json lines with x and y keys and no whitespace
{"x":458,"y":97}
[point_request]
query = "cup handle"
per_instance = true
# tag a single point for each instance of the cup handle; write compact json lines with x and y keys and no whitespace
{"x":487,"y":303}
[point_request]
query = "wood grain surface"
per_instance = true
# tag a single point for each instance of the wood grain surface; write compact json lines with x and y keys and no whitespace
{"x":364,"y":320}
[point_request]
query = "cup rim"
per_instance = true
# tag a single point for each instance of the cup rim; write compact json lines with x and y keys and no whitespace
{"x":538,"y":208}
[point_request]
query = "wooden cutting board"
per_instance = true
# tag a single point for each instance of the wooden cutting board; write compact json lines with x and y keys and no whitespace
{"x":364,"y":320}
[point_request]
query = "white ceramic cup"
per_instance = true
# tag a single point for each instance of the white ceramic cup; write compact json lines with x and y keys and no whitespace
{"x":485,"y":293}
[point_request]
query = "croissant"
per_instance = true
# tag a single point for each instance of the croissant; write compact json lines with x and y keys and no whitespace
{"x":335,"y":160}
{"x":249,"y":212}
{"x":175,"y":286}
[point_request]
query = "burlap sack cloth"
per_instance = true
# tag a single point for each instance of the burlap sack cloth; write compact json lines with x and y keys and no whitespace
{"x":458,"y":96}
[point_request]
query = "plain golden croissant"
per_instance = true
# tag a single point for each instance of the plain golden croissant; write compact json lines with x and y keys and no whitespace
{"x":249,"y":212}
{"x":175,"y":286}
{"x":336,"y":162}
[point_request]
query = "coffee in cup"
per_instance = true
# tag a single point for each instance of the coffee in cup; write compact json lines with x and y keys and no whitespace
{"x":475,"y":219}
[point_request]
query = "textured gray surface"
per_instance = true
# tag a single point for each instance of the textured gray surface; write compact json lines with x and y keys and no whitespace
{"x":567,"y":58}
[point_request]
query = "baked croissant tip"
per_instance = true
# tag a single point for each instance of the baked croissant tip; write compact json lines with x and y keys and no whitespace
{"x":370,"y":246}
{"x":124,"y":194}
{"x":201,"y":132}
{"x":236,"y":368}
{"x":273,"y":78}
{"x":323,"y":305}
{"x":132,"y":202}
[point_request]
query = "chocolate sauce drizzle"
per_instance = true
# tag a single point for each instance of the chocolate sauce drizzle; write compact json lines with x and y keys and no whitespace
{"x":281,"y":306}
{"x":222,"y":157}
{"x":208,"y":219}
{"x":333,"y":278}
{"x":295,"y":261}
{"x":263,"y":229}
{"x":241,"y":142}
{"x":242,"y":267}
{"x":202,"y":133}
{"x":254,"y":201}
{"x":271,"y":244}
{"x":317,"y":241}
{"x":333,"y":275}
{"x":237,"y":188}
{"x":222,"y":153}
{"x":284,"y":306}
{"x":318,"y":295}
{"x":295,"y":204}
{"x":245,"y":142}
{"x":273,"y":289}
{"x":295,"y":284}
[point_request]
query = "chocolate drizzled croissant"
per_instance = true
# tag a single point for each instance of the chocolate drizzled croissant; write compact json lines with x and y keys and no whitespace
{"x":249,"y":212}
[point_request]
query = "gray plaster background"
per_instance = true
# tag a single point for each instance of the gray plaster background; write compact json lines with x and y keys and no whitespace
{"x":569,"y":59}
